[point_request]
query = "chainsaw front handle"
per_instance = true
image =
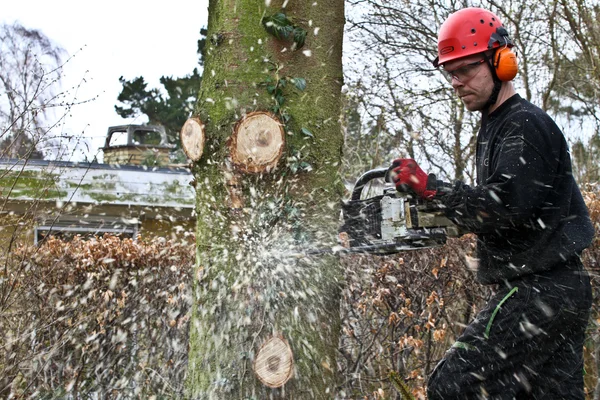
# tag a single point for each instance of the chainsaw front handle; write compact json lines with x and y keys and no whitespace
{"x":366,"y":178}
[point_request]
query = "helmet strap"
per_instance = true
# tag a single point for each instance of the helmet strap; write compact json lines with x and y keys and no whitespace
{"x":497,"y":83}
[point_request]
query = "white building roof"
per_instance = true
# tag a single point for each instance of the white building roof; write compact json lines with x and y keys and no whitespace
{"x":94,"y":183}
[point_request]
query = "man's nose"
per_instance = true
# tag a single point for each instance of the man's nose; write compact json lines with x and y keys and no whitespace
{"x":456,"y":83}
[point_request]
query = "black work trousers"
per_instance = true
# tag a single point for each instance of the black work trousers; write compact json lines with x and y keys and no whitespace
{"x":527,"y":343}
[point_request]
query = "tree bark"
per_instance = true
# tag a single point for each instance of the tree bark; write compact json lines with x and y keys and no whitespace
{"x":256,"y":304}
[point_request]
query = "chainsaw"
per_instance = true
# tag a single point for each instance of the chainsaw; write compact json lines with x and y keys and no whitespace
{"x":391,"y":222}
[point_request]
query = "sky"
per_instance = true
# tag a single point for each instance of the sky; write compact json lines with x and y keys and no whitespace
{"x":109,"y":39}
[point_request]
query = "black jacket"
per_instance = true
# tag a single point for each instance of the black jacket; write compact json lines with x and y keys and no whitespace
{"x":527,"y":211}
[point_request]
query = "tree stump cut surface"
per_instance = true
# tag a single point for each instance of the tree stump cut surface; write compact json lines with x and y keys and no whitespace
{"x":274,"y":362}
{"x":257,"y":142}
{"x":192,"y":138}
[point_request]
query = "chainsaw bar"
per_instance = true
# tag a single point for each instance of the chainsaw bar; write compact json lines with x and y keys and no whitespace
{"x":377,"y":249}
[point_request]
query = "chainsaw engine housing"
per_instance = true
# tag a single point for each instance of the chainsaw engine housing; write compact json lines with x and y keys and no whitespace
{"x":394,"y":221}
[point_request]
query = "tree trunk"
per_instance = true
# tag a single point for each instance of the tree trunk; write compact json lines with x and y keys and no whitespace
{"x":265,"y":321}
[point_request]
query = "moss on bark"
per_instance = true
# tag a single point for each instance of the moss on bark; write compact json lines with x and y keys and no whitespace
{"x":249,"y":284}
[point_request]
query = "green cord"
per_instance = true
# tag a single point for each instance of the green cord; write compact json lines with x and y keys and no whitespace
{"x":464,"y":346}
{"x":489,"y":325}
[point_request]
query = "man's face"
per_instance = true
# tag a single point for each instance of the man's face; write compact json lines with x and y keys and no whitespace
{"x":472,"y":80}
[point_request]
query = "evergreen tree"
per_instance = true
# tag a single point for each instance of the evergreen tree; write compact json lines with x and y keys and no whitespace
{"x":169,"y":107}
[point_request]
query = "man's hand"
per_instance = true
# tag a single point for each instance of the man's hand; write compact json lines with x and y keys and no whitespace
{"x":407,"y":173}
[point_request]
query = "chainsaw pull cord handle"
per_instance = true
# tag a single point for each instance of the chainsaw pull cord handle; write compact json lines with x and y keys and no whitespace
{"x":366,"y":178}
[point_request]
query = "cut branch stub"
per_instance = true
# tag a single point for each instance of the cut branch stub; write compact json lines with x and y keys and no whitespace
{"x":274,"y":362}
{"x":192,"y":138}
{"x":257,"y":142}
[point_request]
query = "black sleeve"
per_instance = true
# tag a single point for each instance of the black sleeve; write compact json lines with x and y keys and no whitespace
{"x":524,"y":165}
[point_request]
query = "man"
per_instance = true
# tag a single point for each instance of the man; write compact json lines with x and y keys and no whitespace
{"x":531,"y":225}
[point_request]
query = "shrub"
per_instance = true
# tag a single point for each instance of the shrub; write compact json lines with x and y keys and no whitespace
{"x":103,"y":318}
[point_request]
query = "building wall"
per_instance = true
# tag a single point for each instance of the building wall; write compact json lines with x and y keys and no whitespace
{"x":177,"y":230}
{"x":17,"y":230}
{"x":45,"y":196}
{"x":14,"y":230}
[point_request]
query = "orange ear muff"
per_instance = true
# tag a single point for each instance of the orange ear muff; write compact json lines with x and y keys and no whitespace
{"x":505,"y":62}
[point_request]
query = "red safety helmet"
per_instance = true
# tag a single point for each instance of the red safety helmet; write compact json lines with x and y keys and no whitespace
{"x":470,"y":31}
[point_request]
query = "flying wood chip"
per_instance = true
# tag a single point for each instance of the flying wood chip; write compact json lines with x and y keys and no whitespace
{"x":192,"y":138}
{"x":257,"y":142}
{"x":274,"y":362}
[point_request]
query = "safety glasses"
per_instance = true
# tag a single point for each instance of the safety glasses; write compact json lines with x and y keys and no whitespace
{"x":462,"y":74}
